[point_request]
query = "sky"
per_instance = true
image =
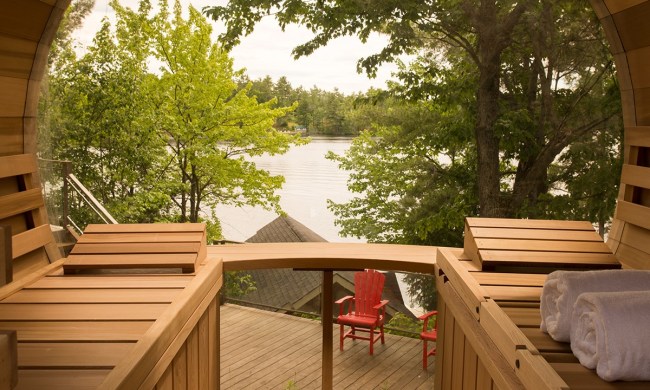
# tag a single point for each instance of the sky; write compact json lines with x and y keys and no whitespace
{"x":268,"y":52}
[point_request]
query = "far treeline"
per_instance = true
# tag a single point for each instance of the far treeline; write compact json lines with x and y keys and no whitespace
{"x":318,"y":112}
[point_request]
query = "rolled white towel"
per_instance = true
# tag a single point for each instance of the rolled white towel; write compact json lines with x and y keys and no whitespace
{"x":562,"y":288}
{"x":610,"y":332}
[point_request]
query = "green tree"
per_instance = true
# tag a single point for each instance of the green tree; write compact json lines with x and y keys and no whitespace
{"x":209,"y":124}
{"x":167,"y":144}
{"x":535,"y":47}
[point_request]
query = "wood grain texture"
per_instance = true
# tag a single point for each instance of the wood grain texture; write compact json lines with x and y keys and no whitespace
{"x":72,"y":355}
{"x":96,"y":295}
{"x":65,"y":331}
{"x":20,"y":202}
{"x":130,"y":260}
{"x":536,"y":234}
{"x":119,"y":248}
{"x":112,"y":281}
{"x":325,"y":256}
{"x":148,"y":237}
{"x":80,"y":311}
{"x":17,"y":165}
{"x":30,"y":240}
{"x":65,"y":379}
{"x":528,"y":224}
{"x":145,"y":228}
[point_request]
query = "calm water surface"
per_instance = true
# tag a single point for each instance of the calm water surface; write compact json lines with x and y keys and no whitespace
{"x":310,"y":180}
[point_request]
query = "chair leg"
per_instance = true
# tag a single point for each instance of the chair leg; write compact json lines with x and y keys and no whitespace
{"x":341,"y":337}
{"x":372,"y":339}
{"x":381,"y":329}
{"x":424,"y":354}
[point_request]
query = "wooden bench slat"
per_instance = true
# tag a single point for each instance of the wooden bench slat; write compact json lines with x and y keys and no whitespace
{"x":30,"y":240}
{"x":503,"y":279}
{"x":513,"y":293}
{"x":145,"y":228}
{"x":20,"y":202}
{"x":160,"y":247}
{"x":524,"y":316}
{"x":140,"y":237}
{"x":144,"y":260}
{"x":74,"y":355}
{"x":80,"y":311}
{"x":60,"y":379}
{"x":78,"y":330}
{"x":94,"y":296}
{"x":112,"y":281}
{"x":543,"y":342}
{"x":529,"y":224}
{"x":563,"y":258}
{"x":542,"y":245}
{"x":579,"y":377}
{"x":536,"y":234}
{"x":16,"y":165}
{"x":633,"y":213}
{"x":636,"y":175}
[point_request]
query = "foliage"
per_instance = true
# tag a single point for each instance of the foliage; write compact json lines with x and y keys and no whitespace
{"x":238,"y":284}
{"x":401,"y":321}
{"x":167,"y":144}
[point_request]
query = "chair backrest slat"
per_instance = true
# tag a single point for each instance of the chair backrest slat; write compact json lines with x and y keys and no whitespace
{"x":368,"y":286}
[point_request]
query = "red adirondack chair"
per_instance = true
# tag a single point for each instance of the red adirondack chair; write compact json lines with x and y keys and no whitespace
{"x":428,"y":335}
{"x":366,"y":311}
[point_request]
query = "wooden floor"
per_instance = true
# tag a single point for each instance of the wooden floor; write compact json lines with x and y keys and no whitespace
{"x":265,"y":350}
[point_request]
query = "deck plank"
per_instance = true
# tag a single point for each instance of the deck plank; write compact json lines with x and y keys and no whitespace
{"x":260,"y":349}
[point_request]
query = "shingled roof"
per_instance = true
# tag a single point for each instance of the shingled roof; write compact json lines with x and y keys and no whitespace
{"x":285,"y":288}
{"x":285,"y":229}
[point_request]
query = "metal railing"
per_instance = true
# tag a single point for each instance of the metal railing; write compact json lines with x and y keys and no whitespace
{"x":70,"y":204}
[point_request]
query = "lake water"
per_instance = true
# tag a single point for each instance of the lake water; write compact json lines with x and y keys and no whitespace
{"x":310,"y":180}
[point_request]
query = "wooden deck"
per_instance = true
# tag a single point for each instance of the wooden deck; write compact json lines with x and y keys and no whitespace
{"x":265,"y":350}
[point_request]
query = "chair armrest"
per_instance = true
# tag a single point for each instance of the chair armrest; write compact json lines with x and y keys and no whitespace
{"x":341,"y":303}
{"x":380,"y":304}
{"x":342,"y":300}
{"x":427,"y":315}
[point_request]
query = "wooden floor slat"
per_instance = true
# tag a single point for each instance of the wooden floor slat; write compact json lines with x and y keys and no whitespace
{"x":260,"y":349}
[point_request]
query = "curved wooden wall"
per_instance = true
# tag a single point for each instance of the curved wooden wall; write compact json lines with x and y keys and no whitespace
{"x":628,"y":31}
{"x":27,"y":28}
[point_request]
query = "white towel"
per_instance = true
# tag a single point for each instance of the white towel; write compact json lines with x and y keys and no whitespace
{"x":562,"y":288}
{"x":610,"y":332}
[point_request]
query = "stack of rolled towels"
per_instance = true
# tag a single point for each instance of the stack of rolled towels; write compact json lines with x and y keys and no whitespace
{"x":605,"y":315}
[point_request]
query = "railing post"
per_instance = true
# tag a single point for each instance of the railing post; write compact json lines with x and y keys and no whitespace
{"x":66,"y":171}
{"x":328,"y":325}
{"x":6,"y":255}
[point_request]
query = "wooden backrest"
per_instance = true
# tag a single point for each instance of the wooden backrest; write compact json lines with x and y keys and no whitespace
{"x":22,"y":209}
{"x":368,"y":286}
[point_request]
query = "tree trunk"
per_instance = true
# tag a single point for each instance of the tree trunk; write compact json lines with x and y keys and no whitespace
{"x":487,"y":97}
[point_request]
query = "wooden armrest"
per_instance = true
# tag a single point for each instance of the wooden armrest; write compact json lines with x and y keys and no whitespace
{"x":427,"y":315}
{"x":381,"y":304}
{"x":342,"y":300}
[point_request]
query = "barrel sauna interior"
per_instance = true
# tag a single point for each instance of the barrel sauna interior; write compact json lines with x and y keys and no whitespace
{"x":27,"y":28}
